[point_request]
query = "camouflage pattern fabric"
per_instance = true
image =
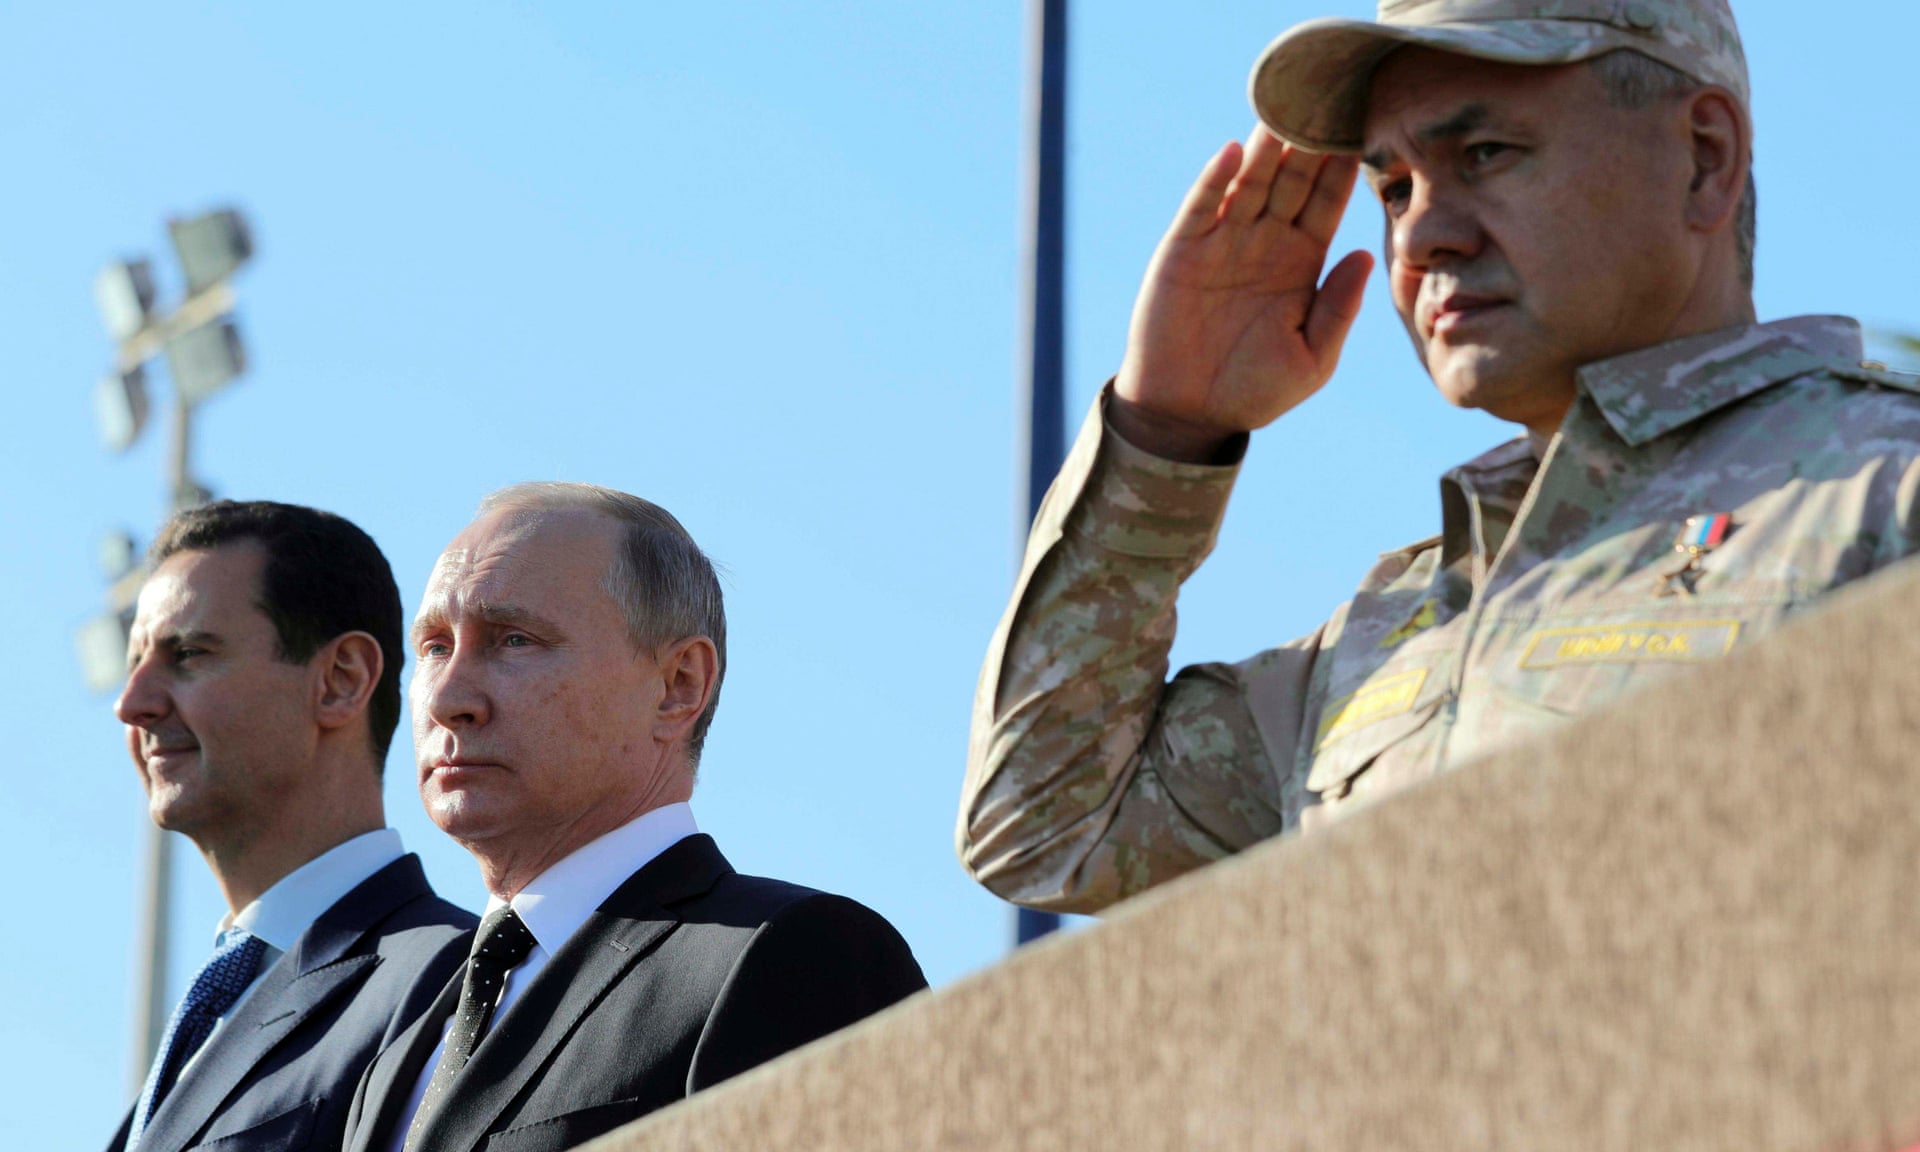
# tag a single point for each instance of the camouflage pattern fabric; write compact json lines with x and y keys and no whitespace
{"x":1554,"y":587}
{"x":1310,"y":86}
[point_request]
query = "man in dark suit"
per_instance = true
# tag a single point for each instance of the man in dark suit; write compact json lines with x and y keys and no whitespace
{"x":570,"y":650}
{"x":263,"y":690}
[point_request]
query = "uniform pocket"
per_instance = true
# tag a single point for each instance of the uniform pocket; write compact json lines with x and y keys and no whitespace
{"x":1355,"y":729}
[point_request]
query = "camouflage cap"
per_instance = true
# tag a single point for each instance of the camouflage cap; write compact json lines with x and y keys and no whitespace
{"x":1310,"y":86}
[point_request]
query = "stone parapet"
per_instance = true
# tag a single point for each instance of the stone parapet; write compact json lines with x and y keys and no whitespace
{"x":1692,"y":921}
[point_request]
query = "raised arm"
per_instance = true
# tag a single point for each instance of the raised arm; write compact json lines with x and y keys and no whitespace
{"x":1090,"y":776}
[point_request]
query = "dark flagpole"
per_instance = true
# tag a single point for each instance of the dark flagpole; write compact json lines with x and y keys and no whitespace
{"x":1042,"y":433}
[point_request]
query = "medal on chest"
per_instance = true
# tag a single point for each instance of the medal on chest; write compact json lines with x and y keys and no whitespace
{"x":1699,"y":536}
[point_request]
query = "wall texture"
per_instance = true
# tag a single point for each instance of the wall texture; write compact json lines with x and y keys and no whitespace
{"x":1689,"y":922}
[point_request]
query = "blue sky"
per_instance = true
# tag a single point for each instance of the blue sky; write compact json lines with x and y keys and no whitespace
{"x":756,"y":263}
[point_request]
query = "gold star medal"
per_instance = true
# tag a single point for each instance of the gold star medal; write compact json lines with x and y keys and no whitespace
{"x":1698,"y":536}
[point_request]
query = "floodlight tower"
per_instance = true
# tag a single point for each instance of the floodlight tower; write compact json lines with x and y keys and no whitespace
{"x":203,"y":353}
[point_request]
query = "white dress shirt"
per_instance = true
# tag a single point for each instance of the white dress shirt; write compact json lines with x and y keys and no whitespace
{"x":554,"y":905}
{"x":291,"y":906}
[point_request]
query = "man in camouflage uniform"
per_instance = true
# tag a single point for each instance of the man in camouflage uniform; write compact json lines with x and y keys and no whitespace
{"x":1569,"y":242}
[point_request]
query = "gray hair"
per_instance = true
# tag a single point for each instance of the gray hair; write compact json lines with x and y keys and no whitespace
{"x":1633,"y":80}
{"x":665,"y":586}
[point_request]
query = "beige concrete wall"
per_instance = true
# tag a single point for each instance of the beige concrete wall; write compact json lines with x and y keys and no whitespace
{"x":1691,"y":923}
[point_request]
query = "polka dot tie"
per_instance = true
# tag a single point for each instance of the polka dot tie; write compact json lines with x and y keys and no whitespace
{"x":501,"y":944}
{"x":215,"y":989}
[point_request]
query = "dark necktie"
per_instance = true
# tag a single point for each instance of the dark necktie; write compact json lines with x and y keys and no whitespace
{"x":501,"y":944}
{"x":219,"y":983}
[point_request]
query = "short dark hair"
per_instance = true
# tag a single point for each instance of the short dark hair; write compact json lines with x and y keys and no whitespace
{"x":323,"y":578}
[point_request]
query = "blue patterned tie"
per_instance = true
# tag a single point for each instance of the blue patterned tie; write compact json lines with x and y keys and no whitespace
{"x":236,"y":958}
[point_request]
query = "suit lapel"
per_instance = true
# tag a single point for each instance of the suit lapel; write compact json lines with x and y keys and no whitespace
{"x":615,"y":941}
{"x":395,"y":1071}
{"x":318,"y":969}
{"x":282,"y":1000}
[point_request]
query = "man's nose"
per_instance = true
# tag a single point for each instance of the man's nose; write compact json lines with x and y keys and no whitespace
{"x":455,"y":696}
{"x":1435,"y":227}
{"x":142,"y":702}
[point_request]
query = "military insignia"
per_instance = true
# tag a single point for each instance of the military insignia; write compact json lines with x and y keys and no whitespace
{"x":1698,"y":536}
{"x":1673,"y":641}
{"x":1420,"y":622}
{"x":1379,"y":699}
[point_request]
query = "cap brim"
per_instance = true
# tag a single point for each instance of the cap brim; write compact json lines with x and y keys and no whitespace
{"x":1310,"y":86}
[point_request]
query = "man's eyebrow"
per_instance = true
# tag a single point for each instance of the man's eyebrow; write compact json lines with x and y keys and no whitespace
{"x":1459,"y":124}
{"x":167,"y":641}
{"x":498,"y":615}
{"x":423,"y":623}
{"x":188,"y":636}
{"x":1468,"y":119}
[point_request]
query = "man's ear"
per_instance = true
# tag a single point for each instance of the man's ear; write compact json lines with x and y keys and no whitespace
{"x":1722,"y":141}
{"x":348,"y":669}
{"x":689,"y":671}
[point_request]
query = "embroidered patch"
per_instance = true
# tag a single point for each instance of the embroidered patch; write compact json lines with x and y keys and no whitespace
{"x":1374,"y":701}
{"x":1627,"y":643}
{"x":1422,"y":620}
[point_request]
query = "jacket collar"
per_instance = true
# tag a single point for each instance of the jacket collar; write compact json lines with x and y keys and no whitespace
{"x":340,"y":927}
{"x":318,"y":969}
{"x":1653,"y":391}
{"x":610,"y":948}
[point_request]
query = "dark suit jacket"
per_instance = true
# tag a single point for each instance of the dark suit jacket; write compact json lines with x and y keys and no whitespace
{"x":280,"y":1074}
{"x":686,"y":975}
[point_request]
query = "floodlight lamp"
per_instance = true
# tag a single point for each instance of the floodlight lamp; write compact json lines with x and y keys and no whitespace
{"x":211,"y":247}
{"x":124,"y":293}
{"x":101,"y":645}
{"x":120,"y":407}
{"x":118,"y":554}
{"x":205,"y":359}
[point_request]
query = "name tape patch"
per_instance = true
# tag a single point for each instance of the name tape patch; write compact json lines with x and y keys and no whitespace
{"x":1377,"y":700}
{"x":1627,"y":643}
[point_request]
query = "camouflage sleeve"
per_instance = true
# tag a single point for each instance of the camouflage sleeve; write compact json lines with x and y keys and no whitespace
{"x":1089,"y":776}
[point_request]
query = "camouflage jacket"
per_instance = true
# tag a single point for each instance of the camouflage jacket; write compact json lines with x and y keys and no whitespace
{"x":1555,"y":585}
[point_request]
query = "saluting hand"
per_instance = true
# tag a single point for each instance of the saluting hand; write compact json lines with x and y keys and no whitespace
{"x":1233,"y":327}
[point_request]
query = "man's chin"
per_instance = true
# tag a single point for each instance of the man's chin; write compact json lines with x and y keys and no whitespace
{"x":1480,"y":380}
{"x":173,"y":809}
{"x":467,"y":814}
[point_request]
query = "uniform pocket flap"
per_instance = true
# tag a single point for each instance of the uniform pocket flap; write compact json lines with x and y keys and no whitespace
{"x":1357,"y":727}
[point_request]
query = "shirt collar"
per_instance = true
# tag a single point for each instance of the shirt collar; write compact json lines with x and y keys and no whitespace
{"x":557,"y":902}
{"x":1650,"y":392}
{"x":288,"y":908}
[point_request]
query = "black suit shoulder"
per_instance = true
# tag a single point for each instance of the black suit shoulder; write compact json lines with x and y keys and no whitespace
{"x":689,"y":973}
{"x":811,"y":964}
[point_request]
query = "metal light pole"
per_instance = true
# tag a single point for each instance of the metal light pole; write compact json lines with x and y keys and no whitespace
{"x":202,"y":349}
{"x":1041,"y":437}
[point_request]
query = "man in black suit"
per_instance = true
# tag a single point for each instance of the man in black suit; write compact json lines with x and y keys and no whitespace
{"x":263,"y":689}
{"x":570,"y":650}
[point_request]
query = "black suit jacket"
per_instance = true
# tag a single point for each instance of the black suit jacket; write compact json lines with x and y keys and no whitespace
{"x":688,"y":974}
{"x":280,"y":1075}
